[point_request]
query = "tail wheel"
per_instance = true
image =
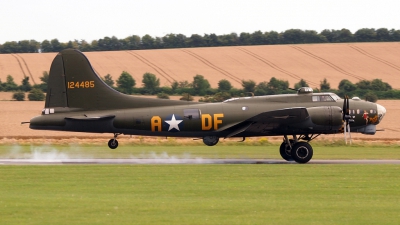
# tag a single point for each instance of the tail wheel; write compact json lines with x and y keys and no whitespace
{"x":285,"y":151}
{"x":302,"y":152}
{"x":113,"y":143}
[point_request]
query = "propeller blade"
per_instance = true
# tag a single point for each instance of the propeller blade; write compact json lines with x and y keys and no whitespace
{"x":344,"y":131}
{"x":348,"y":126}
{"x":344,"y":107}
{"x":346,"y":118}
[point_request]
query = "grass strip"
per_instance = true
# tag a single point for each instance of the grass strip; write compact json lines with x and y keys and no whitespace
{"x":200,"y":194}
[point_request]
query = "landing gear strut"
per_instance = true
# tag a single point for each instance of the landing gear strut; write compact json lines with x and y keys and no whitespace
{"x":299,"y":151}
{"x":113,"y":143}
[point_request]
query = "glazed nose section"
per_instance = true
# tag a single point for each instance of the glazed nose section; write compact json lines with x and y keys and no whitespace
{"x":381,"y":112}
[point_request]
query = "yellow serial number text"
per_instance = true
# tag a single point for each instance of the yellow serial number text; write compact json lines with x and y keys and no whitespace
{"x":81,"y":84}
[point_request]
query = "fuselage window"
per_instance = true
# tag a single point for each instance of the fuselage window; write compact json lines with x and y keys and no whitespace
{"x":191,"y":113}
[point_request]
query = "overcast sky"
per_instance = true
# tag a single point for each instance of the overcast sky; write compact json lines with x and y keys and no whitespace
{"x":94,"y":19}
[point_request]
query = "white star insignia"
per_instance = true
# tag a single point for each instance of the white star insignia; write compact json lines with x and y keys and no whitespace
{"x":173,"y":123}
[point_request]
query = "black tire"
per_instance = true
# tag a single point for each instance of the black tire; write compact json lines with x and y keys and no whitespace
{"x":113,"y":143}
{"x":210,"y":140}
{"x":302,"y":152}
{"x":285,"y":151}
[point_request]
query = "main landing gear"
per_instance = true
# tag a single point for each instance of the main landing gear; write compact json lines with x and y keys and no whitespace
{"x":295,"y":150}
{"x":113,"y":143}
{"x":210,"y":140}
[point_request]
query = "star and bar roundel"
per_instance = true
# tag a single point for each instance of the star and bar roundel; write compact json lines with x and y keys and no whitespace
{"x":173,"y":123}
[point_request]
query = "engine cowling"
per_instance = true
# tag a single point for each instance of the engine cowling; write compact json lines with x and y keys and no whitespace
{"x":326,"y":116}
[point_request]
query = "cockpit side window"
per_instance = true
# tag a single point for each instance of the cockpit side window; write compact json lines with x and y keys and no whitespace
{"x":322,"y":98}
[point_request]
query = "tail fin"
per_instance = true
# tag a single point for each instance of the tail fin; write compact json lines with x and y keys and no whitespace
{"x":74,"y":84}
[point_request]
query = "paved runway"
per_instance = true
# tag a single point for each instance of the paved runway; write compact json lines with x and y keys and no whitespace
{"x":183,"y":161}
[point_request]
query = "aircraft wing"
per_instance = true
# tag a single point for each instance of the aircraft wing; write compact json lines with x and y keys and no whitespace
{"x":270,"y":120}
{"x":90,"y":117}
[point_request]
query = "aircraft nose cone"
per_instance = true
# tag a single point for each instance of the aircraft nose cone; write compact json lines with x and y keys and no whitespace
{"x":381,"y":112}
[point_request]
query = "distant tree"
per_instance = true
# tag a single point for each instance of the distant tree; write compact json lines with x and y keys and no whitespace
{"x":174,"y":85}
{"x":245,"y":38}
{"x":185,"y":84}
{"x":108,"y":80}
{"x":174,"y":41}
{"x":324,"y":85}
{"x":258,"y":38}
{"x":364,"y":84}
{"x":1,"y":86}
{"x":224,"y":85}
{"x":84,"y":46}
{"x":46,"y":46}
{"x":379,"y":85}
{"x":132,"y":42}
{"x":275,"y":85}
{"x":147,"y":42}
{"x":345,"y":35}
{"x":218,"y":97}
{"x":125,"y":83}
{"x":248,"y":85}
{"x":25,"y":86}
{"x":36,"y":95}
{"x":231,"y":39}
{"x":261,"y":88}
{"x":212,"y":40}
{"x":365,"y":35}
{"x":186,"y":97}
{"x":195,"y":41}
{"x":151,"y":82}
{"x":311,"y":36}
{"x":10,"y":47}
{"x":56,"y":45}
{"x":383,"y":34}
{"x":200,"y":84}
{"x":394,"y":35}
{"x":19,"y":96}
{"x":94,"y":45}
{"x":272,"y":37}
{"x":162,"y":95}
{"x":45,"y":80}
{"x":10,"y":85}
{"x":346,"y":86}
{"x":370,"y":96}
{"x":301,"y":83}
{"x":293,"y":36}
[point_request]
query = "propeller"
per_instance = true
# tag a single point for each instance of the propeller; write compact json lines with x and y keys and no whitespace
{"x":346,"y":118}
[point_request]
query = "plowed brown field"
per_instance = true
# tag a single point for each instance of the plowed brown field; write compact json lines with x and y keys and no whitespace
{"x":12,"y":113}
{"x":312,"y":62}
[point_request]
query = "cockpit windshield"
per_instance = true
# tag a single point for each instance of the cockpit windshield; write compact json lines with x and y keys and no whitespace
{"x":335,"y":96}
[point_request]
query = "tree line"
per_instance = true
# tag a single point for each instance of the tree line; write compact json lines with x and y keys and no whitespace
{"x":369,"y":90}
{"x":135,"y":42}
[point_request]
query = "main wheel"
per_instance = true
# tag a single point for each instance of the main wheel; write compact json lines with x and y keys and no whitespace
{"x":210,"y":140}
{"x":285,"y":151}
{"x":113,"y":143}
{"x":302,"y":152}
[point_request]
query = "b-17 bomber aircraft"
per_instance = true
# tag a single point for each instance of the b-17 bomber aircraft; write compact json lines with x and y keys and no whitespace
{"x":78,"y":100}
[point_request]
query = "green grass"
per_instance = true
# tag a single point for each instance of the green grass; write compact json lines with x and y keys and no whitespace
{"x":218,"y":151}
{"x":200,"y":194}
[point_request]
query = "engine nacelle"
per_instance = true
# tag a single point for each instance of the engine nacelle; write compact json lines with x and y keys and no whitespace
{"x":330,"y":116}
